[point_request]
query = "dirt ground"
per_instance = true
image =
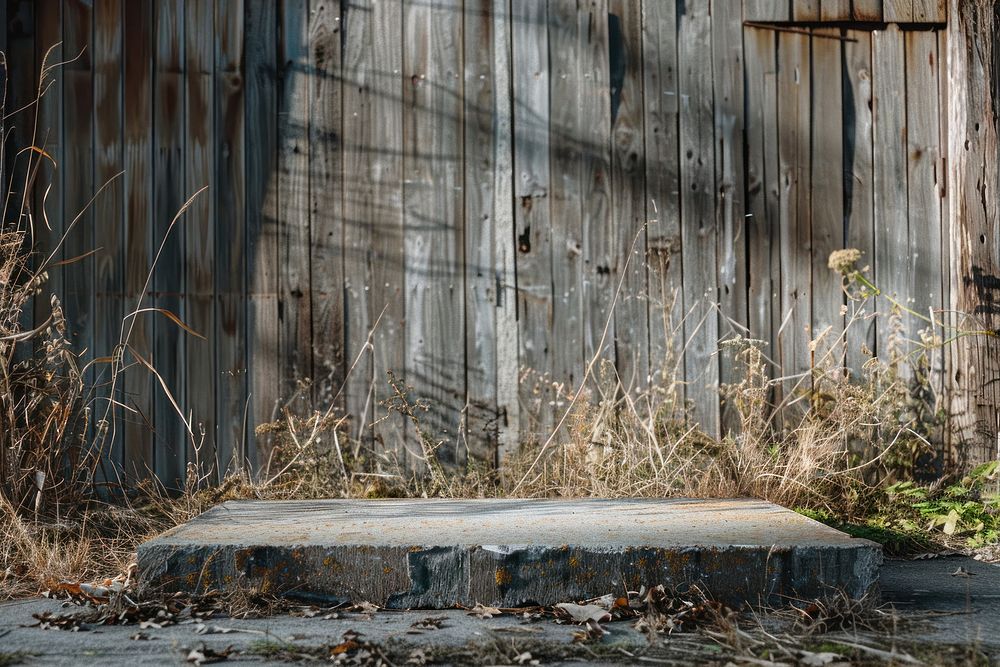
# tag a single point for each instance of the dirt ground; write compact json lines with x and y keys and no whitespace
{"x":943,"y":618}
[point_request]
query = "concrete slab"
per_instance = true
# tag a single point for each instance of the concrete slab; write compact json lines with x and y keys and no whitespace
{"x":436,"y":554}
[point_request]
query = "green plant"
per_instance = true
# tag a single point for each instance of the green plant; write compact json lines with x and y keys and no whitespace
{"x":966,"y":510}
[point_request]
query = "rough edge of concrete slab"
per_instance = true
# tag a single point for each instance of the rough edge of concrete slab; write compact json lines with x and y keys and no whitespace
{"x":440,"y":576}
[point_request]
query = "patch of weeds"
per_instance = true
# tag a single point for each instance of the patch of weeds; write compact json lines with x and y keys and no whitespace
{"x":909,"y":518}
{"x":965,"y":511}
{"x":840,"y":612}
{"x":895,"y":540}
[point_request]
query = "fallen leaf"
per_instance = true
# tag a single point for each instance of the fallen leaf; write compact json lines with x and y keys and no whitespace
{"x":203,"y":629}
{"x":482,"y":611}
{"x":203,"y":655}
{"x":582,"y":613}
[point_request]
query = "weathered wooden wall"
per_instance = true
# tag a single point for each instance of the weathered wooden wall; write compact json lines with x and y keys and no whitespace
{"x":461,"y":191}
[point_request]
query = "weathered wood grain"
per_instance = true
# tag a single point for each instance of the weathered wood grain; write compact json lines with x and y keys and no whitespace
{"x":386,"y":168}
{"x":432,"y":204}
{"x":944,"y":383}
{"x":326,"y":222}
{"x":729,"y":107}
{"x":762,"y":190}
{"x":930,"y":11}
{"x":481,"y":293}
{"x":569,"y":92}
{"x":76,"y":177}
{"x":767,"y":10}
{"x":293,"y":209}
{"x":139,"y":227}
{"x":827,"y":323}
{"x":167,"y":197}
{"x":47,"y":205}
{"x":230,"y":267}
{"x":20,"y":93}
{"x":897,"y":11}
{"x":264,"y":180}
{"x":601,"y":267}
{"x":835,"y":10}
{"x":628,"y":196}
{"x":519,"y":208}
{"x":891,"y":212}
{"x":532,"y":185}
{"x":363,"y":85}
{"x":504,"y":247}
{"x":109,"y":302}
{"x":201,"y":371}
{"x":973,"y":170}
{"x":699,"y":243}
{"x":923,"y":150}
{"x":806,"y":10}
{"x":858,"y":187}
{"x":866,"y":10}
{"x":794,"y":119}
{"x":662,"y":177}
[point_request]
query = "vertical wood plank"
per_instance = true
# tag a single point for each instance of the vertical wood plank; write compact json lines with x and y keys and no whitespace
{"x":728,"y":83}
{"x":827,"y":324}
{"x":373,"y":215}
{"x":662,"y":176}
{"x":77,"y":178}
{"x":201,"y":372}
{"x":532,"y":185}
{"x":264,"y":181}
{"x":835,"y":10}
{"x":294,"y":153}
{"x":48,"y":201}
{"x":930,"y":11}
{"x":628,"y":195}
{"x":805,"y":10}
{"x":858,"y":185}
{"x":326,"y":202}
{"x":432,"y":201}
{"x":139,"y":225}
{"x":762,"y":185}
{"x":504,"y":249}
{"x":385,"y":154}
{"x":601,"y":267}
{"x":108,"y":234}
{"x":923,"y":150}
{"x":794,"y":110}
{"x":766,"y":10}
{"x":230,"y":242}
{"x":698,"y":231}
{"x":897,"y":11}
{"x":365,"y":85}
{"x":866,"y":10}
{"x":168,"y":196}
{"x":891,"y":212}
{"x":945,"y":383}
{"x":568,"y":148}
{"x":975,"y":236}
{"x":19,"y":124}
{"x":481,"y":294}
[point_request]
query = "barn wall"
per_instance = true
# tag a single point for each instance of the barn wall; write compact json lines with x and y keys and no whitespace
{"x":480,"y":196}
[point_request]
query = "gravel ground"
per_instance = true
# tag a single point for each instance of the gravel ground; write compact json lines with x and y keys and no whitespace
{"x":962,"y":610}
